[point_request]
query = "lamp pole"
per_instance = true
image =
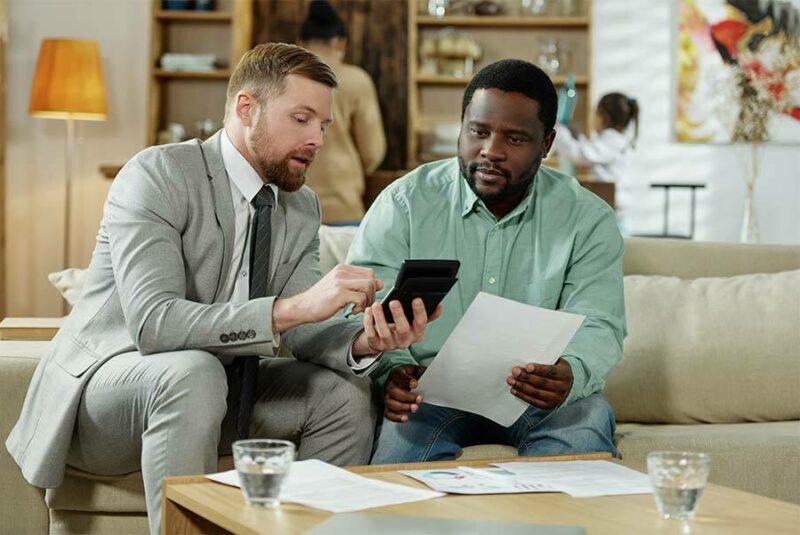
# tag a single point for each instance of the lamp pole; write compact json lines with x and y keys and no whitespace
{"x":70,"y":162}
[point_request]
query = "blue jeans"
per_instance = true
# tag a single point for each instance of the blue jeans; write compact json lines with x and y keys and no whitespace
{"x":436,"y":433}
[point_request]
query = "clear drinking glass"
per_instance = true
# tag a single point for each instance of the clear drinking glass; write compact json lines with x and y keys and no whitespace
{"x":678,"y":479}
{"x":262,"y":465}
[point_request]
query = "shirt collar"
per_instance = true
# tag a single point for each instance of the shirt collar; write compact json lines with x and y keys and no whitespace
{"x":241,"y":173}
{"x":469,"y":200}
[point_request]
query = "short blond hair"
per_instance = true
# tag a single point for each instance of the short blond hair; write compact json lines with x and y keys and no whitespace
{"x":263,"y":69}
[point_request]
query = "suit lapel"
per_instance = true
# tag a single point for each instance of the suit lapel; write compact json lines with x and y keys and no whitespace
{"x":223,"y":204}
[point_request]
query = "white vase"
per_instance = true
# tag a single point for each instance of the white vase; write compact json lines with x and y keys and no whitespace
{"x":749,"y":232}
{"x":751,"y":155}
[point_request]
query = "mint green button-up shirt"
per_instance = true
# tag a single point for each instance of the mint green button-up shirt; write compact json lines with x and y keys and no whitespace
{"x":560,"y":248}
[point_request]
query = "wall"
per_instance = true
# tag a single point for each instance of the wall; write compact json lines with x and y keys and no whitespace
{"x":633,"y":53}
{"x":35,"y":151}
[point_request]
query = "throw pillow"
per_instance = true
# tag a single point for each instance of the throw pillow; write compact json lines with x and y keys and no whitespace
{"x":69,"y":283}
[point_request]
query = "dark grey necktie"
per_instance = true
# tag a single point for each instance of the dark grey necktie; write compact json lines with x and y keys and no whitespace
{"x":259,"y":277}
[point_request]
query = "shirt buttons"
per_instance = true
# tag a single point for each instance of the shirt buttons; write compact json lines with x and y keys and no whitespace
{"x":223,"y":338}
{"x":492,"y":280}
{"x":244,"y":273}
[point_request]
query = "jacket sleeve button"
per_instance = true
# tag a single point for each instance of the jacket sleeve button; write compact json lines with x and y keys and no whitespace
{"x":223,"y":338}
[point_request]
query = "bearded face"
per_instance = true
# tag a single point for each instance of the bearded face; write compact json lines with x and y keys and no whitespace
{"x":287,"y":130}
{"x":288,"y":170}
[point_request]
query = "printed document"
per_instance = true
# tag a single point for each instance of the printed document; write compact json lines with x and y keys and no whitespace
{"x":581,"y":479}
{"x":466,"y":480}
{"x":495,"y":334}
{"x":323,"y":486}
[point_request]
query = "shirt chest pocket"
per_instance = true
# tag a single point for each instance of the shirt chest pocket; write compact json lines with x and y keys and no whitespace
{"x":544,"y":292}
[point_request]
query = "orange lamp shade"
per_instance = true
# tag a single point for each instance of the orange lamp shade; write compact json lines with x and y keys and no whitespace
{"x":68,"y":83}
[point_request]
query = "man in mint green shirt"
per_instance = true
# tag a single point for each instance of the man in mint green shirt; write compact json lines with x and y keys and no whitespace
{"x":520,"y":231}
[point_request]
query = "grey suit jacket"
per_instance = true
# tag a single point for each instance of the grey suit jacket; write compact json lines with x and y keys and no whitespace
{"x":163,"y":251}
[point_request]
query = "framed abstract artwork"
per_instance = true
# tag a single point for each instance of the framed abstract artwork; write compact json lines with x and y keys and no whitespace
{"x":738,"y":71}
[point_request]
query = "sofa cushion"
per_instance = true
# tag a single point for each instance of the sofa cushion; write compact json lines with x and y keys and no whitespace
{"x":82,"y":491}
{"x":761,"y":458}
{"x":334,"y":242}
{"x":22,"y":509}
{"x":716,"y":350}
{"x":72,"y":522}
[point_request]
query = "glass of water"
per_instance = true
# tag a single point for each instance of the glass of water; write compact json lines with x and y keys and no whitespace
{"x":262,"y":465}
{"x":678,"y":479}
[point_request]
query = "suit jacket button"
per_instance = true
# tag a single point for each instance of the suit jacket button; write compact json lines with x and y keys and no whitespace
{"x":251,"y":333}
{"x":233,"y":337}
{"x":242,"y":335}
{"x":223,"y":338}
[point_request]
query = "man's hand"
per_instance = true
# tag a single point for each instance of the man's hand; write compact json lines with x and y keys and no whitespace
{"x":543,"y":386}
{"x":380,"y":335}
{"x":398,"y":400}
{"x":339,"y":287}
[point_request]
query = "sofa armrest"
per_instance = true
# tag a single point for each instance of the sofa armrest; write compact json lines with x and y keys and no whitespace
{"x":22,"y":506}
{"x":29,"y":328}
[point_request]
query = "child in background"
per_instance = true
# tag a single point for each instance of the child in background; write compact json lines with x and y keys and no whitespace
{"x":607,"y":151}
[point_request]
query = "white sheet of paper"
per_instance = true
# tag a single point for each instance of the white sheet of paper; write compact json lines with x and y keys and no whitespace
{"x":465,"y":480}
{"x":323,"y":486}
{"x":495,"y":334}
{"x":582,"y":479}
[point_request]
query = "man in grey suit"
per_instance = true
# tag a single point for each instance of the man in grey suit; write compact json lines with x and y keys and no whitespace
{"x":207,"y":255}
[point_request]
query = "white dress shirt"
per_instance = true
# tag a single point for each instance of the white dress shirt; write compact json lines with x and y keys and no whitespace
{"x":245,"y":183}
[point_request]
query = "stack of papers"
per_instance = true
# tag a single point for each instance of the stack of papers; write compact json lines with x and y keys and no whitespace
{"x":579,"y":479}
{"x":323,"y":486}
{"x":188,"y":62}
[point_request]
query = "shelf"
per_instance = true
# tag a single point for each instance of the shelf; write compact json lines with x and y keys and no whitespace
{"x":217,"y":74}
{"x":193,"y":16}
{"x":489,"y":21}
{"x":437,"y":79}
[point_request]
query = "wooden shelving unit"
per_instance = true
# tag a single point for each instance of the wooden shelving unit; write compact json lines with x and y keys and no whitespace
{"x":208,"y":75}
{"x":455,"y":80}
{"x":193,"y":16}
{"x":434,"y":98}
{"x":488,"y":21}
{"x":190,"y":96}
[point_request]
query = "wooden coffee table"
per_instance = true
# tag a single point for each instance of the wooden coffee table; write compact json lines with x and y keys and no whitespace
{"x":195,"y":504}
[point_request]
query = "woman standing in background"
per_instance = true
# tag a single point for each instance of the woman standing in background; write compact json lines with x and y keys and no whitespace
{"x":355,"y":143}
{"x":607,"y":152}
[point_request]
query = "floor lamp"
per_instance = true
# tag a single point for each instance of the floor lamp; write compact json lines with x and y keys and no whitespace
{"x":68,"y":85}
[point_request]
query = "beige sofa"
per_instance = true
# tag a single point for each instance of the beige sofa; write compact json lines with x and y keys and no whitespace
{"x":710,"y":365}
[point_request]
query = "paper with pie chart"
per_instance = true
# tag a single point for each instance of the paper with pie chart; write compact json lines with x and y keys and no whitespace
{"x":465,"y":480}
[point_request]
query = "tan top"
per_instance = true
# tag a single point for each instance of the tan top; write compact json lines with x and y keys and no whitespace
{"x":354,"y":146}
